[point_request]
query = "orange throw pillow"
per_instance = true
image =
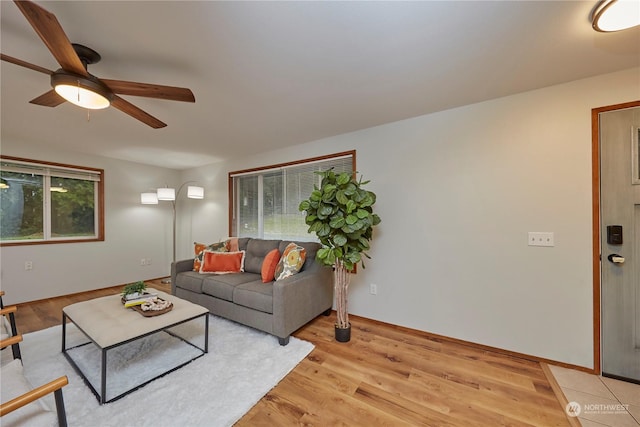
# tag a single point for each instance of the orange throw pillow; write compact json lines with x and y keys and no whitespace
{"x":222,"y":262}
{"x":269,"y":265}
{"x":198,"y":248}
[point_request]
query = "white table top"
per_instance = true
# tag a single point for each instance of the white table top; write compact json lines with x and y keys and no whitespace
{"x":106,"y":321}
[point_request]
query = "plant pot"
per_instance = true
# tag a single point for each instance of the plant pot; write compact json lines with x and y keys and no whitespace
{"x":343,"y":334}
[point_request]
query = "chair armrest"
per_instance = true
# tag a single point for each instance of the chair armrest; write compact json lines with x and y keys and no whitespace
{"x":10,"y":341}
{"x":33,"y":395}
{"x":179,"y":267}
{"x":8,"y":310}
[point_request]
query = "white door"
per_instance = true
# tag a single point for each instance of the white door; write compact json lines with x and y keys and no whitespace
{"x":620,"y":242}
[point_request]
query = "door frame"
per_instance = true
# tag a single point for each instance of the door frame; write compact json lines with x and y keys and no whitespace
{"x":595,"y":191}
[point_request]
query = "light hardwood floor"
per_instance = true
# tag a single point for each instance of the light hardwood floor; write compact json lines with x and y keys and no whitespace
{"x":385,"y":376}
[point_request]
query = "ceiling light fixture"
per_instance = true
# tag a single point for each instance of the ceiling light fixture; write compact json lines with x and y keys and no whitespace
{"x":615,"y":15}
{"x":86,"y":92}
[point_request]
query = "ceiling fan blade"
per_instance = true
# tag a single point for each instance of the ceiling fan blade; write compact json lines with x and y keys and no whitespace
{"x":135,"y":112}
{"x":25,"y":64}
{"x":148,"y":90}
{"x":50,"y":31}
{"x":49,"y":99}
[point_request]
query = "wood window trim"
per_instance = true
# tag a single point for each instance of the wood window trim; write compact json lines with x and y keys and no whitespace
{"x":351,"y":153}
{"x":100,"y":230}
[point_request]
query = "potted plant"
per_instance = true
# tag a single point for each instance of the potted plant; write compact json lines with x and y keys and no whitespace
{"x":134,"y":290}
{"x":340,"y":213}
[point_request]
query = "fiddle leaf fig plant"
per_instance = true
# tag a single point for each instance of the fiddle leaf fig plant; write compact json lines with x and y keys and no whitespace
{"x":340,"y":213}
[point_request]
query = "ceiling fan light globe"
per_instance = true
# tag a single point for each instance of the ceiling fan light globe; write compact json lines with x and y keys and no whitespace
{"x":616,"y":15}
{"x":86,"y":92}
{"x":82,"y":97}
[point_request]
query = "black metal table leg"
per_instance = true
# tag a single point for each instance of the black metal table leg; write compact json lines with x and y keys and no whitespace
{"x":103,"y":394}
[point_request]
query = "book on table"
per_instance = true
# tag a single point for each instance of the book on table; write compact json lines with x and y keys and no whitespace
{"x":137,"y":295}
{"x":140,"y":300}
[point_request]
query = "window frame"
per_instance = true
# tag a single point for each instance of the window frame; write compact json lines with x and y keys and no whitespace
{"x":256,"y":170}
{"x":99,"y":209}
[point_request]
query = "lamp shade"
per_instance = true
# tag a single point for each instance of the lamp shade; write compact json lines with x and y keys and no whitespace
{"x":194,"y":192}
{"x":166,"y":193}
{"x":149,"y":198}
{"x":616,"y":15}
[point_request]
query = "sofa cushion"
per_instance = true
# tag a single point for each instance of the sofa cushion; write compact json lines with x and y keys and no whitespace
{"x":269,"y":265}
{"x":222,"y":262}
{"x":255,"y":295}
{"x":242,"y":243}
{"x":291,"y":261}
{"x":257,"y":249}
{"x":222,"y":286}
{"x":190,"y":280}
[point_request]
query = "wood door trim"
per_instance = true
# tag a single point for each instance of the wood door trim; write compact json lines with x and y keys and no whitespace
{"x":595,"y":191}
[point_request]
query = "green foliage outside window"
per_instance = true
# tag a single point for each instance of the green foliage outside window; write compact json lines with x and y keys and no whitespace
{"x":69,"y":208}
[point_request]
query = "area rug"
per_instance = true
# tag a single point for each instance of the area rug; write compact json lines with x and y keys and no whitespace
{"x":217,"y":389}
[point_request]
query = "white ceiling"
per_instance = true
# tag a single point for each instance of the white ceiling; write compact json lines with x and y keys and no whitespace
{"x":271,"y":74}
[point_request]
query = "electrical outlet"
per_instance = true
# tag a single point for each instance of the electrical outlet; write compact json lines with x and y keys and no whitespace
{"x":148,"y":261}
{"x":373,"y":289}
{"x":143,"y":261}
{"x":28,"y":265}
{"x":537,"y":238}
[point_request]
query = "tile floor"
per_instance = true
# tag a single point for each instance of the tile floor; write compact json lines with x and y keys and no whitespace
{"x":603,"y":401}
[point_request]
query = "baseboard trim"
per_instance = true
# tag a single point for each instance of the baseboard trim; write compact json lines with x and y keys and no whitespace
{"x":117,"y":288}
{"x":437,"y":337}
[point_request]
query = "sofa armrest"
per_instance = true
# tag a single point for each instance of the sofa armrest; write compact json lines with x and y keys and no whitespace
{"x":300,"y":298}
{"x":179,"y":267}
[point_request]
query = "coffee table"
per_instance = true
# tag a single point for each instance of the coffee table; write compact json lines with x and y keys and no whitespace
{"x":108,"y":324}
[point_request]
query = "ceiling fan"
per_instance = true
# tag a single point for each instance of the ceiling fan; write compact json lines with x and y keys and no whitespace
{"x":73,"y":83}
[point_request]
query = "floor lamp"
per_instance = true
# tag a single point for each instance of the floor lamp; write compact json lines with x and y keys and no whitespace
{"x":171,"y":195}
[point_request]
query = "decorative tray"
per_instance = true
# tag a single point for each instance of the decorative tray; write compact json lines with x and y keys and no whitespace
{"x":151,"y":312}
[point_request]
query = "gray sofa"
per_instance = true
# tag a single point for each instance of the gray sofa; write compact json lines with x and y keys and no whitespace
{"x":278,"y":308}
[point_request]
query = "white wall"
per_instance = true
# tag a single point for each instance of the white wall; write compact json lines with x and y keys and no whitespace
{"x":457,"y":192}
{"x":133,"y":231}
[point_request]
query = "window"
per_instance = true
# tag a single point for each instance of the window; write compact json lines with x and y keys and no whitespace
{"x":49,"y":203}
{"x":264,"y":202}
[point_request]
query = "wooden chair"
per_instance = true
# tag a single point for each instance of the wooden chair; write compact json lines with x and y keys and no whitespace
{"x":12,"y":374}
{"x":8,"y":327}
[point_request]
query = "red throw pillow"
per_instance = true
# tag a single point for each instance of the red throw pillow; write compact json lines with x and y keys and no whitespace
{"x":269,"y":266}
{"x":222,"y":262}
